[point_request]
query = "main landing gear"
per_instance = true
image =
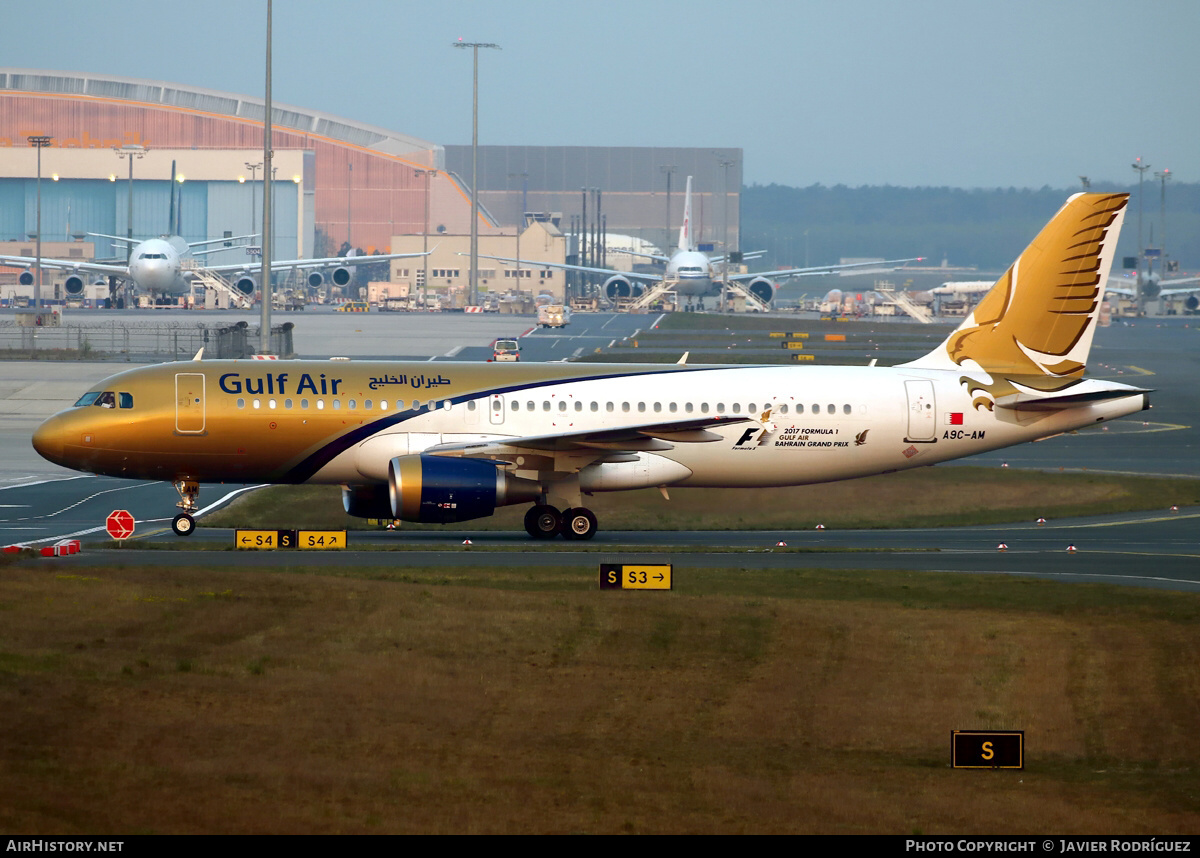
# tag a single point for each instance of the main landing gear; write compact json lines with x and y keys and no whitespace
{"x":546,"y":522}
{"x":184,"y":524}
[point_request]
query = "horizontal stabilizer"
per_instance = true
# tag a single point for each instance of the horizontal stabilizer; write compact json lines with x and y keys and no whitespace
{"x":1082,"y":393}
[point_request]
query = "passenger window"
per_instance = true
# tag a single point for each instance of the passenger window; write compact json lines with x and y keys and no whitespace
{"x":783,"y":409}
{"x":657,"y":407}
{"x":816,"y":409}
{"x":320,"y":404}
{"x":608,"y":406}
{"x":337,"y":404}
{"x":688,"y":407}
{"x":399,"y":404}
{"x":287,"y":403}
{"x":470,"y":405}
{"x":831,"y":409}
{"x":595,"y":406}
{"x":703,"y":407}
{"x":366,"y":404}
{"x":241,"y":403}
{"x":846,"y":409}
{"x":578,"y":404}
{"x":351,"y":404}
{"x":304,"y":404}
{"x":625,"y":407}
{"x":641,"y":406}
{"x":546,"y":405}
{"x":382,"y":405}
{"x":737,"y":408}
{"x":720,"y":407}
{"x":562,"y":405}
{"x":674,"y":408}
{"x":257,"y":404}
{"x":530,"y":406}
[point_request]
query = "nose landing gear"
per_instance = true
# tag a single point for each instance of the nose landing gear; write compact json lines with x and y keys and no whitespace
{"x":184,"y":524}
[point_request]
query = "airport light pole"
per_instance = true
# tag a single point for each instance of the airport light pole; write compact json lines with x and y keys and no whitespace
{"x":669,"y":169}
{"x":130,"y":151}
{"x":264,"y":344}
{"x":473,"y":295}
{"x":524,"y":177}
{"x":724,"y":164}
{"x":428,"y":174}
{"x":1162,"y":220}
{"x":1141,"y":170}
{"x":39,"y":142}
{"x":253,"y":168}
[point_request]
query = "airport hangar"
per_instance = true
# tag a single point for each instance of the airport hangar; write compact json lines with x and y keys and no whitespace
{"x":336,"y":181}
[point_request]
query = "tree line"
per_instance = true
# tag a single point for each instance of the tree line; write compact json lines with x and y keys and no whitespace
{"x":819,"y":225}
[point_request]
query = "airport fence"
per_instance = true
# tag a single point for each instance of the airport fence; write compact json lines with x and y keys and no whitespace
{"x":126,"y":341}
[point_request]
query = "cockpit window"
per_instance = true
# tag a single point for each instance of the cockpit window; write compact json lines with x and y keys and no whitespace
{"x":152,"y":256}
{"x":107,"y":399}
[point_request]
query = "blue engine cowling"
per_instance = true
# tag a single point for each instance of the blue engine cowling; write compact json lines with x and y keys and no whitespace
{"x":762,"y":289}
{"x":73,"y":285}
{"x":246,"y":284}
{"x":443,"y":490}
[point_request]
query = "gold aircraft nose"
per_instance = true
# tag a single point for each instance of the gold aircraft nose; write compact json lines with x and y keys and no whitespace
{"x":48,"y":440}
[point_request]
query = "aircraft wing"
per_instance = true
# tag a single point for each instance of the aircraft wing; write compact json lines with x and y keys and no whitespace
{"x":586,"y":446}
{"x":634,"y":275}
{"x":828,"y":269}
{"x":66,"y":265}
{"x":327,"y":262}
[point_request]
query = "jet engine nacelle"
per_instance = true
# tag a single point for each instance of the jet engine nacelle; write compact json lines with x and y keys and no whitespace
{"x":316,"y":279}
{"x":73,"y":285}
{"x":1150,"y":289}
{"x":341,"y":276}
{"x":1192,"y":303}
{"x":618,"y":288}
{"x":762,"y":289}
{"x":371,"y":501}
{"x":246,"y":284}
{"x":443,"y":490}
{"x":26,"y":278}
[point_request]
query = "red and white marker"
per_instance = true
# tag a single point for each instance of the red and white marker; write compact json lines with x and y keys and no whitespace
{"x":119,"y":524}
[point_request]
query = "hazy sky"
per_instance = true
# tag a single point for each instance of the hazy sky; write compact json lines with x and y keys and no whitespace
{"x":964,"y":93}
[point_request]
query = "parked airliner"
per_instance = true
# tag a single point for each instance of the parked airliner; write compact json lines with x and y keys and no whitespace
{"x":450,"y":442}
{"x":693,"y":275}
{"x":156,"y":267}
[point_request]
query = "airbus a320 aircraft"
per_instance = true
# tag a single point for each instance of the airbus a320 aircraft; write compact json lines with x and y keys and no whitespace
{"x":692,"y":274}
{"x":450,"y":442}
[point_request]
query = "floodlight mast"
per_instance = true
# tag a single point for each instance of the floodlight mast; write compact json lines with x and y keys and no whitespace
{"x":473,"y":279}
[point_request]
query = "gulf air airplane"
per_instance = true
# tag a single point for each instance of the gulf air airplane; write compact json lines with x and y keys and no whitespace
{"x":450,"y":442}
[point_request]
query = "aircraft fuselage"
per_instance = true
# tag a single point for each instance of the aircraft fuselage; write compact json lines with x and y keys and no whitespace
{"x":333,"y":422}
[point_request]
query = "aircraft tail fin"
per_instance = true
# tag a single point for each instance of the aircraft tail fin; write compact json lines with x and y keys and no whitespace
{"x":685,"y":231}
{"x":1035,"y":325}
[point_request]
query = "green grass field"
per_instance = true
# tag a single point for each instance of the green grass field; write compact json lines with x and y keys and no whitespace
{"x":408,"y":699}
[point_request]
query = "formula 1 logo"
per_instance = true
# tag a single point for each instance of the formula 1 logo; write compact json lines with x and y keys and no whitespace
{"x":747,"y":442}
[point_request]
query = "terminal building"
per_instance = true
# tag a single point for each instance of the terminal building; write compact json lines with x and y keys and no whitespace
{"x":117,"y":143}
